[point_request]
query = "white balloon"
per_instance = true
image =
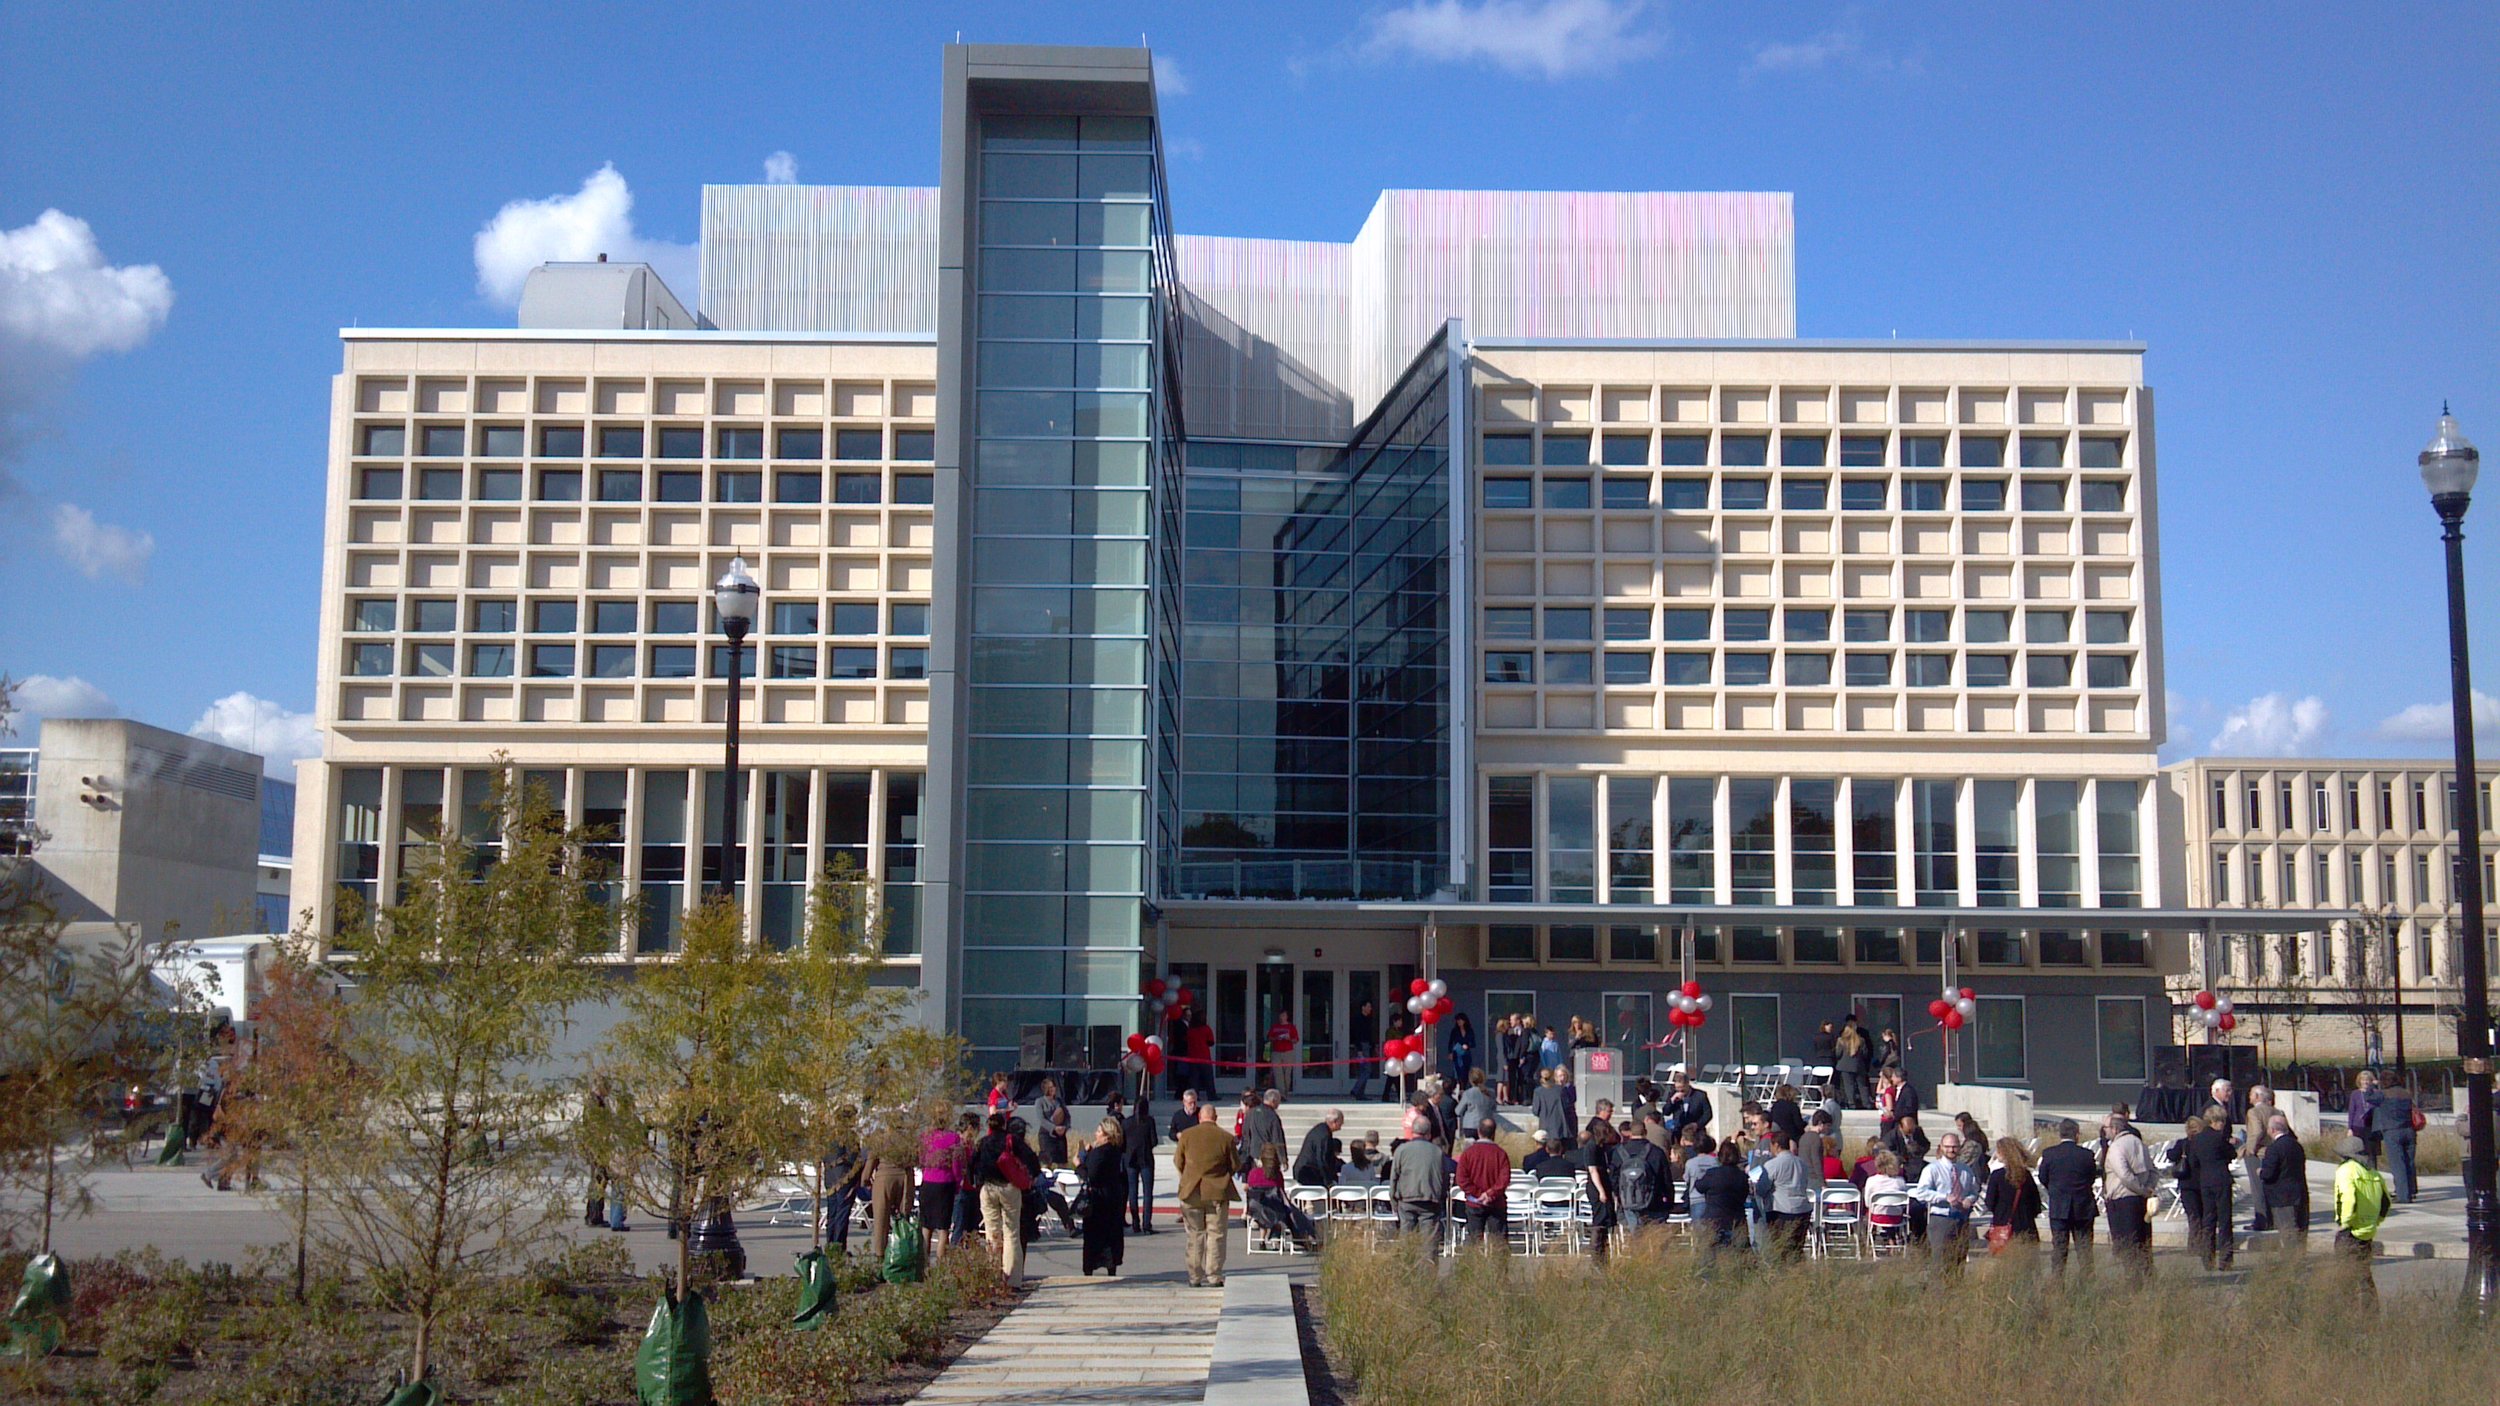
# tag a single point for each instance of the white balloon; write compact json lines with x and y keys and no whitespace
{"x":1391,"y":1068}
{"x":2213,"y":1020}
{"x":1437,"y":989}
{"x":1415,"y":1063}
{"x":1155,"y":1040}
{"x":1130,"y":1064}
{"x":1702,"y":1002}
{"x":1967,"y":1007}
{"x":2222,"y":1005}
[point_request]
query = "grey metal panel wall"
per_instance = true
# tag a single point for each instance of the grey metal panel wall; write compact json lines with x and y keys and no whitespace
{"x":1265,"y":344}
{"x":821,"y":258}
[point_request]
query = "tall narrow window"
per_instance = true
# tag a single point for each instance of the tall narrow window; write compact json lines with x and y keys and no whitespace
{"x":2321,"y":810}
{"x":1571,"y":839}
{"x":2222,"y":804}
{"x":1996,"y":842}
{"x":1693,"y":833}
{"x":1631,"y":839}
{"x":663,"y":860}
{"x":781,"y":844}
{"x":2057,"y":809}
{"x":1753,"y":844}
{"x":1874,"y":859}
{"x":1510,"y":838}
{"x":1936,"y":833}
{"x":1814,"y":864}
{"x":360,"y":836}
{"x":901,"y":896}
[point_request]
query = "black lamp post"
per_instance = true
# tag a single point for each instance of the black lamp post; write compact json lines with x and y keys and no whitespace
{"x":713,"y":1229}
{"x":2448,"y":469}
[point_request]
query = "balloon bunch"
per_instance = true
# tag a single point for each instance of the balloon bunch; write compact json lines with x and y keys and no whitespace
{"x":1145,"y":1052}
{"x":1161,"y":996}
{"x":1428,"y":1001}
{"x":1954,"y":1009}
{"x":1687,"y":1007}
{"x":1404,"y":1055}
{"x":2215,"y":1011}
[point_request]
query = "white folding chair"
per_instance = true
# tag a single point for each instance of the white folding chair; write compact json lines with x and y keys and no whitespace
{"x":1556,"y":1215}
{"x":1839,"y":1220}
{"x":1519,"y":1212}
{"x":1311,"y":1201}
{"x":1349,"y":1210}
{"x":789,"y":1195}
{"x":1383,"y":1216}
{"x":1888,"y":1224}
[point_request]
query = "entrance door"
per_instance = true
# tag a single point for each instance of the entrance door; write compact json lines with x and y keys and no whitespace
{"x":1362,"y":1028}
{"x":1271,"y":996}
{"x":1321,"y":1047}
{"x":1232,"y":1022}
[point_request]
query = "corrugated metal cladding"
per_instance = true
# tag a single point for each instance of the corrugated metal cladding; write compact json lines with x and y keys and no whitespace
{"x":1568,"y":264}
{"x":1265,"y":347}
{"x":821,"y":258}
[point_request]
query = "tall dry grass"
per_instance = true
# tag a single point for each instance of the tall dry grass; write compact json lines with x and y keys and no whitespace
{"x":2437,"y":1152}
{"x":1496,"y":1330}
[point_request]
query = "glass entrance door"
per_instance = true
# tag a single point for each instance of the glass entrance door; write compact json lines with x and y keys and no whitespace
{"x":1272,"y":996}
{"x":1320,"y":1044}
{"x":1232,"y":1023}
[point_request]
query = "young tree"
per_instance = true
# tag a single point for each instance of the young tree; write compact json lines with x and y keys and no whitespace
{"x":443,"y":1170}
{"x":292,"y":1091}
{"x":2360,"y":979}
{"x":845,"y":1023}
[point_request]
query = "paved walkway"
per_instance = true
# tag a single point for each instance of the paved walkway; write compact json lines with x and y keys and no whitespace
{"x":1147,"y":1339}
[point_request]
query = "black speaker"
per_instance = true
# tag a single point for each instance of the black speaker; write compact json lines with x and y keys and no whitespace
{"x":1033,"y":1048}
{"x":2170,"y":1067}
{"x":2207,"y":1063}
{"x":1067,"y":1047}
{"x":2245,"y":1067}
{"x":1106,"y":1045}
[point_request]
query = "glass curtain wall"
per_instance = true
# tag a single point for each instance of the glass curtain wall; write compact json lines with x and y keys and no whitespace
{"x":1073,"y":460}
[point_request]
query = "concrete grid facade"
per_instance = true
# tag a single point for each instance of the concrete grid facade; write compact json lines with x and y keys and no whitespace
{"x":1326,"y":621}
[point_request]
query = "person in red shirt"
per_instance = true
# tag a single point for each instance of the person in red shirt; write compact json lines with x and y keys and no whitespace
{"x":1201,"y":1046}
{"x":1282,"y":1037}
{"x":1483,"y":1176}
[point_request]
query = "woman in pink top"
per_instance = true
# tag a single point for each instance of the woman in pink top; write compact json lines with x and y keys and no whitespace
{"x":941,"y":1156}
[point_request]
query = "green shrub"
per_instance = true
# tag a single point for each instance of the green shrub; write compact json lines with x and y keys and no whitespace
{"x":151,"y":1329}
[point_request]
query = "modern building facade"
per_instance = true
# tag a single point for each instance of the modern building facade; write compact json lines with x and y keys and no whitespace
{"x":2375,"y":839}
{"x":135,"y":826}
{"x":1505,"y":594}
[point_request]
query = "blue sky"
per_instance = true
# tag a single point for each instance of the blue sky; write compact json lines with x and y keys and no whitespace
{"x":2295,"y":207}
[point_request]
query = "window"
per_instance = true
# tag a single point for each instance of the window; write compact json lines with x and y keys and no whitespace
{"x":611,"y":661}
{"x":559,"y":485}
{"x":1996,"y":842}
{"x":915,"y":488}
{"x":429,"y":661}
{"x":1510,"y":839}
{"x":1864,"y":495}
{"x":2321,"y":817}
{"x":1684,"y":451}
{"x":1748,"y":626}
{"x":1744,"y":495}
{"x":1922,"y":495}
{"x":2046,"y":626}
{"x":494,"y":617}
{"x":2119,"y":1024}
{"x":858,"y":444}
{"x":1684,"y":494}
{"x":2102,"y":451}
{"x":620,"y":485}
{"x":2121,"y":864}
{"x":2044,"y":495}
{"x":1983,"y":452}
{"x":1866,"y":626}
{"x":858,"y":488}
{"x":1509,"y":450}
{"x":2048,"y":670}
{"x":1568,"y":622}
{"x":917,"y":447}
{"x":673,"y":617}
{"x":1687,"y":670}
{"x":1752,"y":840}
{"x":1565,"y":494}
{"x":1510,"y":942}
{"x":1862,"y":451}
{"x":1627,"y":624}
{"x":1684,"y":623}
{"x":499,"y":485}
{"x":438,"y":485}
{"x":1804,"y":451}
{"x":908,"y":618}
{"x":2000,"y":1040}
{"x":672,"y":661}
{"x":1804,"y":494}
{"x":2387,"y":806}
{"x":1987,"y":626}
{"x":554,"y":617}
{"x":1927,"y":626}
{"x":1623,"y":494}
{"x":1632,"y":944}
{"x":2109,"y":670}
{"x":1692,"y":828}
{"x":1571,"y":839}
{"x":1625,"y":666}
{"x":1509,"y":623}
{"x":439,"y":441}
{"x":1567,"y":666}
{"x":2105,"y":627}
{"x":1745,"y":451}
{"x":798,"y":486}
{"x":377,"y":483}
{"x":2044,"y":452}
{"x":369,"y":660}
{"x":1919,"y":451}
{"x":2352,"y":808}
{"x":620,"y":441}
{"x":851,"y":662}
{"x":432,"y":616}
{"x":738,"y":486}
{"x":2421,"y":807}
{"x":1983,"y":495}
{"x":1509,"y":666}
{"x":854,"y":618}
{"x":1807,"y":670}
{"x":793,"y":443}
{"x":2057,"y":827}
{"x":2422,"y":894}
{"x":677,"y":486}
{"x":1571,"y":942}
{"x":1507,"y":493}
{"x":391,"y":440}
{"x":378,"y":616}
{"x":1620,"y":450}
{"x":2289,"y":878}
{"x":1745,"y":670}
{"x":1560,"y":448}
{"x":907,"y":662}
{"x":791,"y":617}
{"x":1867,"y":669}
{"x":1756,"y":1037}
{"x":612,"y":617}
{"x":551,"y":661}
{"x":1922,"y":670}
{"x":1988,"y":670}
{"x":499,"y":441}
{"x":2283,"y":811}
{"x":2123,"y":948}
{"x":684,"y":442}
{"x":1813,"y":843}
{"x":1874,"y":865}
{"x":2104,"y":495}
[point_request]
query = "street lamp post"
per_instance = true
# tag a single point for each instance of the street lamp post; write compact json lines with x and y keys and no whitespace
{"x":2449,"y":466}
{"x":734,"y":596}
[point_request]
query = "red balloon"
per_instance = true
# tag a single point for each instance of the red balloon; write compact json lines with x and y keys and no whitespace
{"x":1677,"y":1017}
{"x":1700,"y":1019}
{"x":1136,"y":1044}
{"x":1394,"y":1049}
{"x":1969,"y":994}
{"x":1938,"y":1007}
{"x":1952,"y":1020}
{"x":1445,"y":1005}
{"x":1155,"y":987}
{"x":1692,"y":988}
{"x":1180,"y":995}
{"x":1154,"y":1060}
{"x":1431,"y":1015}
{"x":2204,"y":1000}
{"x":1418,"y":986}
{"x":2229,"y":1020}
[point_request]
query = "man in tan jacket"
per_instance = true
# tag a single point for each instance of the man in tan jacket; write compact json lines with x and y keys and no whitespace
{"x":1203,"y":1156}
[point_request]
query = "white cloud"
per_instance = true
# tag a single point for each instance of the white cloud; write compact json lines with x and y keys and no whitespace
{"x":781,"y":169}
{"x":2436,"y":722}
{"x":258,"y":725}
{"x":1841,"y":46}
{"x":1170,"y":81}
{"x":597,"y":219}
{"x":99,"y":549}
{"x":40,"y":696}
{"x":1187,"y":147}
{"x":1546,"y":38}
{"x":58,"y":295}
{"x":2271,"y":725}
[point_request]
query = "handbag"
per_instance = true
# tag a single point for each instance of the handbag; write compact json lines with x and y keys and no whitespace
{"x":2419,"y":1122}
{"x":1999,"y":1236}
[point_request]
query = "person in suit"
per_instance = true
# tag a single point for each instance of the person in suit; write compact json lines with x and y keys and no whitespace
{"x":1319,"y":1162}
{"x":2392,"y":1131}
{"x":1476,"y":1104}
{"x":1552,"y":1109}
{"x":2204,"y":1168}
{"x":1203,"y":1158}
{"x":1183,"y":1118}
{"x":1137,"y":1146}
{"x":2067,"y":1175}
{"x":1687,"y":1107}
{"x":2282,"y":1182}
{"x":1262,"y":1125}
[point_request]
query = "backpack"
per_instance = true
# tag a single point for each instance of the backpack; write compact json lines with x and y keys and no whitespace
{"x":1636,"y":1179}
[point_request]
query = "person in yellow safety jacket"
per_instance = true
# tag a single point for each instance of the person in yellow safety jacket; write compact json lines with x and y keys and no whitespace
{"x":2360,"y":1204}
